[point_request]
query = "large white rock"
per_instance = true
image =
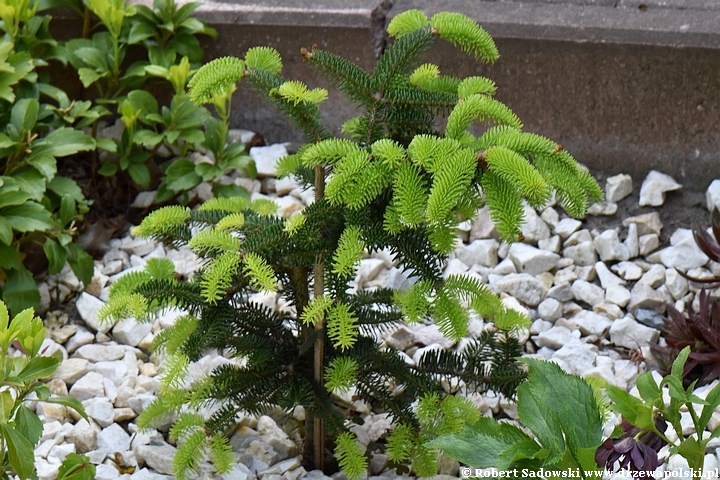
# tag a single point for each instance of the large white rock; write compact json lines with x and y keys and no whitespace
{"x":113,"y":439}
{"x":482,"y":252}
{"x":113,"y":371}
{"x":632,"y":241}
{"x":607,"y":278}
{"x":88,"y":307}
{"x":71,"y":370}
{"x":582,"y":253}
{"x":556,"y":337}
{"x":576,"y":357}
{"x":101,"y":410}
{"x":587,"y":292}
{"x":550,"y":309}
{"x":158,"y":457}
{"x":528,"y":259}
{"x":561,"y":292}
{"x":654,"y":187}
{"x":609,"y":246}
{"x":646,"y":223}
{"x":647,"y":298}
{"x":618,"y":295}
{"x":89,"y":386}
{"x":524,"y":287}
{"x":266,"y":158}
{"x":628,"y":270}
{"x":130,"y":332}
{"x":534,"y":228}
{"x":100,"y":353}
{"x":712,"y":195}
{"x":683,"y":254}
{"x":567,"y":226}
{"x":676,"y":284}
{"x":591,"y":323}
{"x":626,"y":332}
{"x":369,"y":269}
{"x":618,"y":187}
{"x":653,"y":277}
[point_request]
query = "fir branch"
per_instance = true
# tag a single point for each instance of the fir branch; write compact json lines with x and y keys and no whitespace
{"x":407,"y":22}
{"x":342,"y":326}
{"x":476,"y":85}
{"x":266,"y":59}
{"x":214,"y":241}
{"x":163,"y":222}
{"x":349,"y":78}
{"x":262,"y":276}
{"x":215,"y":78}
{"x":189,"y":455}
{"x":505,"y":204}
{"x":297,"y":92}
{"x":349,"y":252}
{"x":350,"y":456}
{"x":399,"y":57}
{"x":224,"y":204}
{"x":218,"y":276}
{"x":340,"y":374}
{"x":461,"y":30}
{"x":478,"y":107}
{"x":233,"y":222}
{"x":328,"y":152}
{"x":221,"y":454}
{"x":516,"y":171}
{"x":410,"y":195}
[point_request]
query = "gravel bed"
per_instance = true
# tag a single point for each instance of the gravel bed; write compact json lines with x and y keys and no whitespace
{"x":596,"y":298}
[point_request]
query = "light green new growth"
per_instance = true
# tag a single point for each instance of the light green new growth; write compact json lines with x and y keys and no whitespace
{"x":218,"y":276}
{"x":350,"y":455}
{"x":297,"y":92}
{"x":410,"y":195}
{"x":414,"y":302}
{"x":266,"y":59}
{"x":389,"y":152}
{"x":476,"y":85}
{"x":425,"y":75}
{"x":170,"y":339}
{"x":342,"y":326}
{"x":217,"y":77}
{"x":462,"y":31}
{"x":294,"y":223}
{"x":505,"y":204}
{"x":226,"y":204}
{"x":327,"y":152}
{"x":264,"y":206}
{"x":174,"y":371}
{"x":162,"y":222}
{"x":234,"y":221}
{"x":478,"y":107}
{"x":516,"y":171}
{"x":214,"y":241}
{"x":261,"y":275}
{"x":407,"y":22}
{"x":349,"y":252}
{"x":341,"y":374}
{"x":316,"y":309}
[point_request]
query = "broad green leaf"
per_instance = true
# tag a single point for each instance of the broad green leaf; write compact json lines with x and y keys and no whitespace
{"x":5,"y":141}
{"x":20,"y":290}
{"x":81,"y":263}
{"x":67,"y":209}
{"x":20,"y":451}
{"x":39,"y":367}
{"x":66,"y":141}
{"x":142,"y":102}
{"x":139,"y":32}
{"x":6,"y":406}
{"x":76,"y":467}
{"x":66,"y":186}
{"x":41,"y":390}
{"x":493,"y":436}
{"x":230,"y":191}
{"x":108,"y":169}
{"x":9,"y":256}
{"x":623,"y":403}
{"x":679,"y":363}
{"x":6,"y":234}
{"x":106,"y":144}
{"x":693,"y":451}
{"x":69,"y":402}
{"x":713,"y":401}
{"x":56,"y":255}
{"x":147,"y":138}
{"x":28,"y":217}
{"x":140,"y":174}
{"x":92,"y":57}
{"x":13,"y":197}
{"x":32,"y":182}
{"x":44,"y":163}
{"x":28,"y":424}
{"x":24,"y":114}
{"x":649,"y":390}
{"x":576,"y":418}
{"x":181,"y":175}
{"x":89,"y":76}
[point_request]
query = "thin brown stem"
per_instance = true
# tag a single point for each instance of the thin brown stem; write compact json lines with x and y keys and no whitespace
{"x":319,"y":364}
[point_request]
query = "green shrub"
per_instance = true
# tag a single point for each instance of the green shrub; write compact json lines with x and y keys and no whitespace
{"x":397,"y":183}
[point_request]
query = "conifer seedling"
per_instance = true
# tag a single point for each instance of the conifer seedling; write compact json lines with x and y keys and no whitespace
{"x":394,"y":181}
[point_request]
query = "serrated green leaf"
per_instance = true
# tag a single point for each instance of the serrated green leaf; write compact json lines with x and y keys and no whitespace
{"x":81,"y":263}
{"x":6,"y":406}
{"x":6,"y":234}
{"x":24,"y":114}
{"x":649,"y":390}
{"x":67,"y":209}
{"x":20,"y":451}
{"x":44,"y":163}
{"x":28,"y":424}
{"x":66,"y":141}
{"x":28,"y":217}
{"x":89,"y":76}
{"x":20,"y":290}
{"x":623,"y":403}
{"x":39,"y":367}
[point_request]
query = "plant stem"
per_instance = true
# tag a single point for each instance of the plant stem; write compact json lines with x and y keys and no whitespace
{"x":318,"y":291}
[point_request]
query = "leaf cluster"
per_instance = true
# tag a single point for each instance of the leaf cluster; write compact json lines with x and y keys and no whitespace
{"x":20,"y":375}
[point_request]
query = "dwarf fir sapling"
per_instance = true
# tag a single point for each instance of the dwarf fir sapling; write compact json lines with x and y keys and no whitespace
{"x":396,"y":183}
